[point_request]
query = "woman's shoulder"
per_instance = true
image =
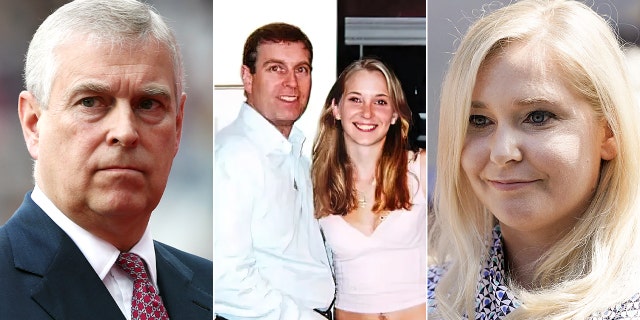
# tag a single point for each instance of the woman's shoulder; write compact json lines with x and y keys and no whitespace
{"x":329,"y":220}
{"x":417,"y":161}
{"x":415,"y":156}
{"x":417,"y":169}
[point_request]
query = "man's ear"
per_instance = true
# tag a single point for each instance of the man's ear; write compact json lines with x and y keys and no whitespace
{"x":29,"y":112}
{"x":179,"y":119}
{"x":247,"y":78}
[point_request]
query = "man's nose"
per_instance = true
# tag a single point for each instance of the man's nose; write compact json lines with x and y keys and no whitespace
{"x":122,"y":124}
{"x":290,"y":79}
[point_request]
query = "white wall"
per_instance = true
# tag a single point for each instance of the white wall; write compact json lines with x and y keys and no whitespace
{"x":233,"y":21}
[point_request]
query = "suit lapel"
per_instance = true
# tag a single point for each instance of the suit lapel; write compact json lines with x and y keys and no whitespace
{"x":68,"y":287}
{"x":72,"y":290}
{"x":181,"y":298}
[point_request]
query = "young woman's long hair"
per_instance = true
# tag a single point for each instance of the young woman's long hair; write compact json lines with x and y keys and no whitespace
{"x":596,"y":264}
{"x":332,"y":171}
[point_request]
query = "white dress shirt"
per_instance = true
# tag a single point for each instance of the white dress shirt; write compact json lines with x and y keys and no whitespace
{"x":103,"y":255}
{"x":270,"y":259}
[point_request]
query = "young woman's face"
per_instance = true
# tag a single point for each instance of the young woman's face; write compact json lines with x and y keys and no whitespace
{"x":533,"y":147}
{"x":366,"y":109}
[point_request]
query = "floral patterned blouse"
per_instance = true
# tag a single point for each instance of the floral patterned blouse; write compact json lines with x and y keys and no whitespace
{"x":494,"y":300}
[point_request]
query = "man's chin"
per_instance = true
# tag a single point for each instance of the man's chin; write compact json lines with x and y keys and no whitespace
{"x":123,"y":204}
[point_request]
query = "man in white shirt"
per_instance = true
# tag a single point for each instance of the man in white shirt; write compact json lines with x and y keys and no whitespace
{"x":102,"y":118}
{"x":270,"y":257}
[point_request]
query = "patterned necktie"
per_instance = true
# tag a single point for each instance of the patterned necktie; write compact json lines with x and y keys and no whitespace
{"x":146,"y":304}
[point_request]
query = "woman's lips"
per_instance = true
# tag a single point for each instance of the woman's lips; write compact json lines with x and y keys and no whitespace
{"x":511,"y":185}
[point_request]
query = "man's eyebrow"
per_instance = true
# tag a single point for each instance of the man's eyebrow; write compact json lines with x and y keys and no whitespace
{"x":95,"y":87}
{"x":306,"y":64}
{"x":85,"y":87}
{"x":88,"y":87}
{"x":157,"y":90}
{"x":270,"y":61}
{"x":278,"y":61}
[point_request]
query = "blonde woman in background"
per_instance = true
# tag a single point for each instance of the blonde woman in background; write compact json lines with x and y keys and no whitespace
{"x":538,"y":174}
{"x":369,"y":193}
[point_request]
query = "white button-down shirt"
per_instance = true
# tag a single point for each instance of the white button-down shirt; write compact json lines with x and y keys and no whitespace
{"x":103,"y":255}
{"x":270,"y":259}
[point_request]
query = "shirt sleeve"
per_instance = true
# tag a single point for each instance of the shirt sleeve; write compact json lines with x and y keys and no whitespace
{"x":240,"y":291}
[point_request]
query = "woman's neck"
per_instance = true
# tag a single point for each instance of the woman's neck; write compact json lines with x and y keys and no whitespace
{"x":364,"y":161}
{"x":523,"y":250}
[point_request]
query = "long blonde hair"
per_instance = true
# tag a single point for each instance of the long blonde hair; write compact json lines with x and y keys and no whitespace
{"x":596,"y":264}
{"x":331,"y":170}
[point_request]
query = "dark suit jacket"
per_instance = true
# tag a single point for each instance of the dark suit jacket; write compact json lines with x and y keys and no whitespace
{"x":43,"y":275}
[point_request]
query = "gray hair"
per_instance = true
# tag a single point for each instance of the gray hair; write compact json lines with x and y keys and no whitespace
{"x":118,"y":22}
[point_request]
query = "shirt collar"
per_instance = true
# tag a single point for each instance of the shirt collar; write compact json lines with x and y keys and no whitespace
{"x":296,"y":138}
{"x":271,"y":140}
{"x":100,"y":254}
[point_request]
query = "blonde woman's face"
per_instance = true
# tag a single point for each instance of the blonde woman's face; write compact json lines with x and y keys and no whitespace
{"x":533,"y":147}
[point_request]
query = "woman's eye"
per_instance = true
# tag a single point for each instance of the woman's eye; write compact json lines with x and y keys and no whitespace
{"x":381,"y":102}
{"x":478,"y":120}
{"x":539,"y":117}
{"x":354,"y":99}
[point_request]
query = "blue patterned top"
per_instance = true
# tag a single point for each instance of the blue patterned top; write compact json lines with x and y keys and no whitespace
{"x":494,"y":300}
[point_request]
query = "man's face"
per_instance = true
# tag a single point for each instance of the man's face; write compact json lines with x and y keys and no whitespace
{"x":279,"y":90}
{"x":105,"y":144}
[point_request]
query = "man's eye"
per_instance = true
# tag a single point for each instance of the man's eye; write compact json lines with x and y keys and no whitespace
{"x":88,"y":102}
{"x":148,"y":104}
